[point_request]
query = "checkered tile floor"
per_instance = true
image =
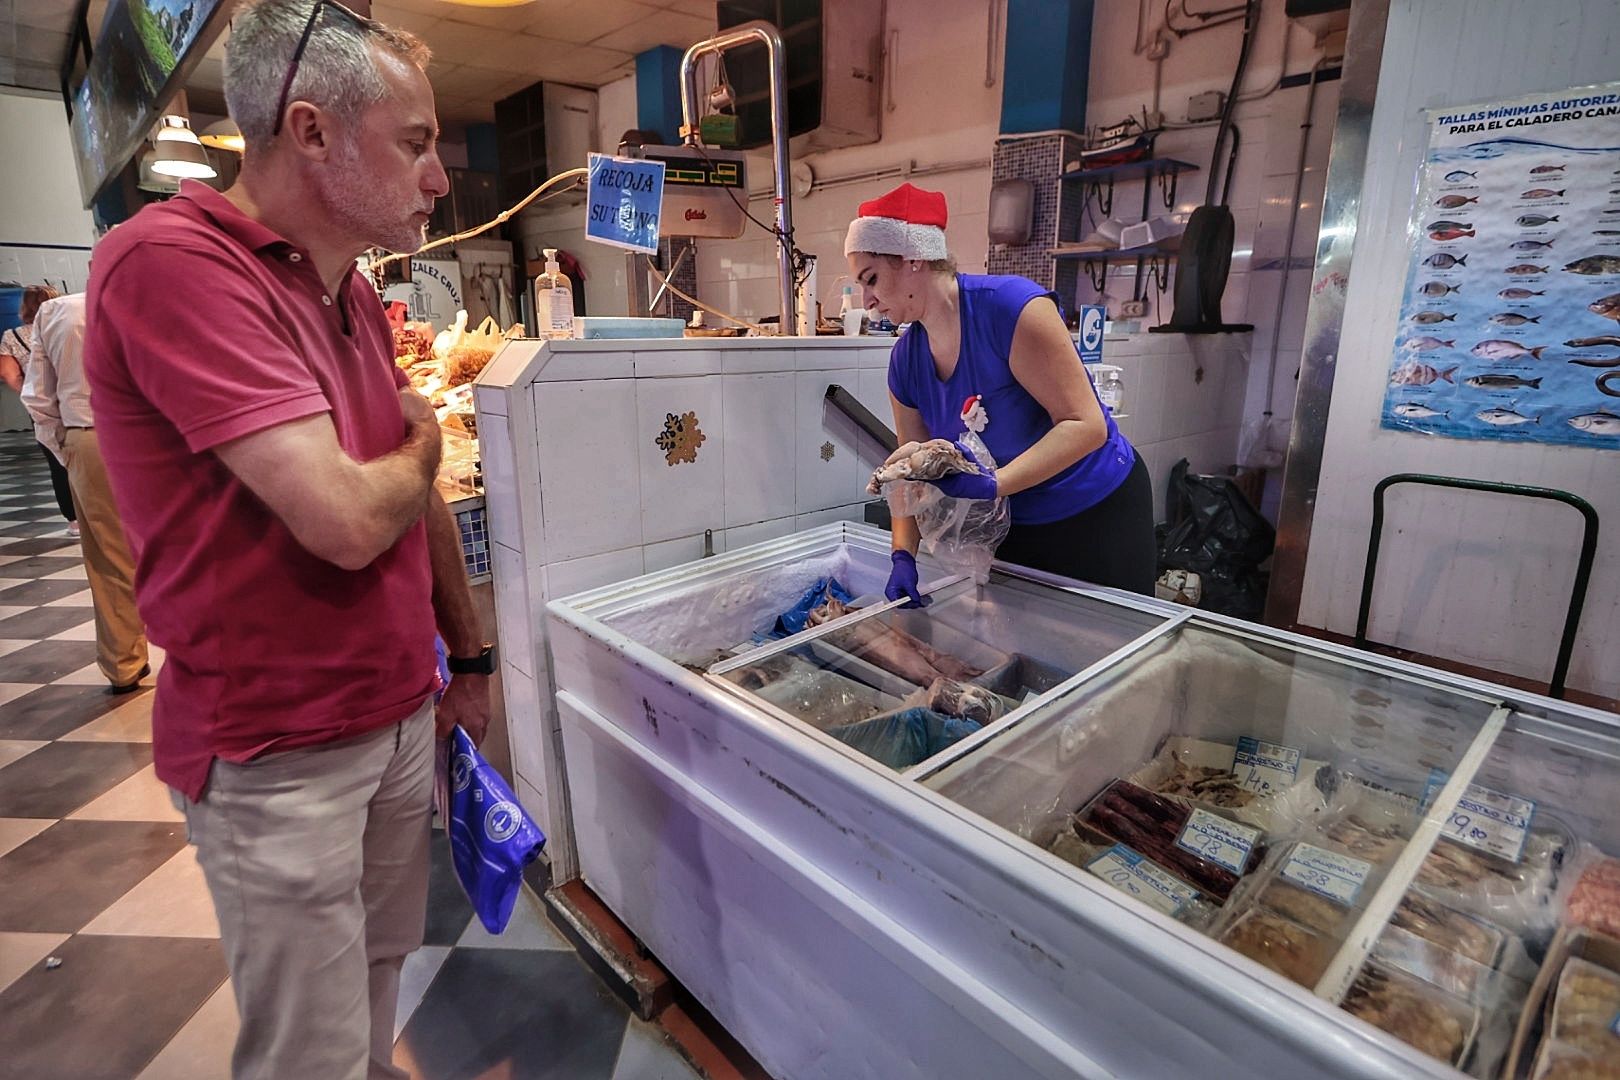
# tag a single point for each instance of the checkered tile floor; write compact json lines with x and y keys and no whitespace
{"x":95,"y":873}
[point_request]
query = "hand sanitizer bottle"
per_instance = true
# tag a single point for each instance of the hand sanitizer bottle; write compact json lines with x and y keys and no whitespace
{"x":553,"y":300}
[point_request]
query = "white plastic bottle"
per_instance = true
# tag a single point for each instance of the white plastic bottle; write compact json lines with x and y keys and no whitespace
{"x":853,"y":314}
{"x":553,"y":300}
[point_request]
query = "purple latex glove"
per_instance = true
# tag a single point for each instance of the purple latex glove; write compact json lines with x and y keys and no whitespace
{"x":903,"y":580}
{"x":977,"y":485}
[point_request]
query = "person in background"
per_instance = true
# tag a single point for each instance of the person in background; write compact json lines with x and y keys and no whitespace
{"x":276,"y":474}
{"x":57,"y":395}
{"x":15,"y":346}
{"x":992,"y":355}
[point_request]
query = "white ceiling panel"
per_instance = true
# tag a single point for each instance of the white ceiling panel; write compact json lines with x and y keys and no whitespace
{"x":661,"y":28}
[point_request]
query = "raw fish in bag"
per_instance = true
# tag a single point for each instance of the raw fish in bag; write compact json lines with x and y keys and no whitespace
{"x":961,"y":534}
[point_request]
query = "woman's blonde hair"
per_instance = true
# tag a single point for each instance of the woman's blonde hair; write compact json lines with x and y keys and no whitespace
{"x":33,"y":297}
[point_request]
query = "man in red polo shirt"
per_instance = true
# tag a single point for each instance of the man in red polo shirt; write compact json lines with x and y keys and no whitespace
{"x":275,"y":472}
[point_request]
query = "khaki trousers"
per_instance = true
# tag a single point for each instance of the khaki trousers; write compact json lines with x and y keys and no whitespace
{"x":120,"y":636}
{"x":317,"y":861}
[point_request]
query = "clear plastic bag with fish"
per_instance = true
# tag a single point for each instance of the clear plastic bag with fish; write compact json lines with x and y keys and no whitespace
{"x":905,"y":738}
{"x":961,"y":534}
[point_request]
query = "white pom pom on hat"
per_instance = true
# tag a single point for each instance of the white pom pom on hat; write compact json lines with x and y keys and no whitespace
{"x":908,"y":222}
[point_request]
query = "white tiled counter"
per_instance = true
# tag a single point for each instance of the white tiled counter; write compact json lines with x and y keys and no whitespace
{"x":605,"y":460}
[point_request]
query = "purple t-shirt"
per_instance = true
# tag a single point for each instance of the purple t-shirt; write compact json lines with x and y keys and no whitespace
{"x":989,"y":308}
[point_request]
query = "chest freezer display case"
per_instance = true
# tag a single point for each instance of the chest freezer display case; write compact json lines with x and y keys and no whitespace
{"x":1042,"y":829}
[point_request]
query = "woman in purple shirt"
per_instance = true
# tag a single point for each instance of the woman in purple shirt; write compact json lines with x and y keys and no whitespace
{"x":992,"y":354}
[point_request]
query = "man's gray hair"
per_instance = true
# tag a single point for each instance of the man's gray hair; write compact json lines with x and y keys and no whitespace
{"x":337,"y":72}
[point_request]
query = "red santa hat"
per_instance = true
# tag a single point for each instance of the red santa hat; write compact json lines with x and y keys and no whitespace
{"x":908,"y":222}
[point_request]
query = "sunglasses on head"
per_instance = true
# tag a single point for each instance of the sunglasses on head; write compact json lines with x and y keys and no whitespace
{"x":303,"y":43}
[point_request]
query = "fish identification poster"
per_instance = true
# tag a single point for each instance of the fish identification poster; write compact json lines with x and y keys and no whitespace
{"x":1510,"y":324}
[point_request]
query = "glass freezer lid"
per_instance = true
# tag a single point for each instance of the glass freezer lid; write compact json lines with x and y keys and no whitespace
{"x":1380,"y":840}
{"x":900,"y":685}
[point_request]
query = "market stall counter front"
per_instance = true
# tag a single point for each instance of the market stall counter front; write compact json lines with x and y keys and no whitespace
{"x":1040,"y":829}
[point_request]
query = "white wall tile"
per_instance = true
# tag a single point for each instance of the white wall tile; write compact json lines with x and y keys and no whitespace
{"x":853,"y":512}
{"x":590,"y":484}
{"x":743,"y":535}
{"x":688,"y":496}
{"x":677,"y":552}
{"x":828,"y":465}
{"x":593,"y":571}
{"x":572,"y":365}
{"x":527,"y":727}
{"x":756,"y":361}
{"x":759,"y":447}
{"x":668,"y":363}
{"x":515,"y":607}
{"x":495,"y":456}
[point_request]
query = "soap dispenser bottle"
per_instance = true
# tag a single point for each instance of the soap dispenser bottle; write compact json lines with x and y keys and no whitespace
{"x":553,"y":300}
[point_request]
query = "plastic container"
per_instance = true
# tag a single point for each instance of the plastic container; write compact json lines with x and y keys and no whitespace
{"x":1586,"y":1008}
{"x":1292,"y":951}
{"x":853,"y":315}
{"x":553,"y":301}
{"x":1416,"y":1013}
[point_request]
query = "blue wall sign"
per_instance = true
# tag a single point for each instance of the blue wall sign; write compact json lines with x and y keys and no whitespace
{"x":623,"y":201}
{"x":1091,"y":334}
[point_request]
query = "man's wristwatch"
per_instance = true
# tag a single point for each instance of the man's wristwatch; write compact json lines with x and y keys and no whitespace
{"x":482,"y":664}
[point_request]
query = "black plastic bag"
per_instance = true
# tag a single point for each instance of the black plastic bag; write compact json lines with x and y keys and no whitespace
{"x":1212,"y":529}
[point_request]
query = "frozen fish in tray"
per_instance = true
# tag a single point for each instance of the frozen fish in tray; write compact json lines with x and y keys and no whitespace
{"x":1559,"y":1062}
{"x":1284,"y":946}
{"x":1079,"y":845}
{"x":1416,"y":1013}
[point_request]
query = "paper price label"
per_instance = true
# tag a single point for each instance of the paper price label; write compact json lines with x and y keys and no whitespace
{"x":1491,"y":821}
{"x":1327,"y":873}
{"x":1131,"y":873}
{"x":1223,"y":842}
{"x":1264,"y":766}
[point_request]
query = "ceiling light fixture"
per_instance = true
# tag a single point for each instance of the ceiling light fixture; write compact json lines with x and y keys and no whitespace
{"x":179,"y":153}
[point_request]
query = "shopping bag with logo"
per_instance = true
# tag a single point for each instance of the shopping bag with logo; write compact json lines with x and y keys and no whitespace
{"x":491,"y":838}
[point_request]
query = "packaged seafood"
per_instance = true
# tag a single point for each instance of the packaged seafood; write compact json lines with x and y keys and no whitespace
{"x":1586,"y":1008}
{"x":1559,"y":1062}
{"x":1594,"y":902}
{"x":1206,"y":773}
{"x":1416,"y":1013}
{"x":1465,"y":935}
{"x":1280,"y":944}
{"x":882,"y":642}
{"x":1173,"y":833}
{"x":1438,"y":966}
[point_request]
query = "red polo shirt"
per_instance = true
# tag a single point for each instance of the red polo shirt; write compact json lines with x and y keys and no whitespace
{"x":205,"y":326}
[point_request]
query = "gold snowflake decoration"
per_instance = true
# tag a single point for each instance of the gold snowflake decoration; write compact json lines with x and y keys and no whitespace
{"x":827,"y":451}
{"x":680,"y":438}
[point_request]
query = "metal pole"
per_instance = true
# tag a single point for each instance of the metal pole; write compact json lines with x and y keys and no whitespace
{"x":758,"y":30}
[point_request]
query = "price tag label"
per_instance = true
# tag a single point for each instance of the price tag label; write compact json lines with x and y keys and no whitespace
{"x":1327,"y":873}
{"x":1131,"y":873}
{"x":1264,"y":766}
{"x":1223,"y":842}
{"x":1491,"y":821}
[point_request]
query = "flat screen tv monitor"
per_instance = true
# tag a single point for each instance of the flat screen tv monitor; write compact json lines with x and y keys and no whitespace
{"x":146,"y":51}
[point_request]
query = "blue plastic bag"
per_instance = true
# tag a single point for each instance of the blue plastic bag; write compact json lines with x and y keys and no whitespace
{"x":491,"y":838}
{"x":797,"y":617}
{"x":902,"y":739}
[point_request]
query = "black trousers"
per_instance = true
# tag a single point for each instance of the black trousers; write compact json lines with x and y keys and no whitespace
{"x":59,"y":483}
{"x":1107,"y":544}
